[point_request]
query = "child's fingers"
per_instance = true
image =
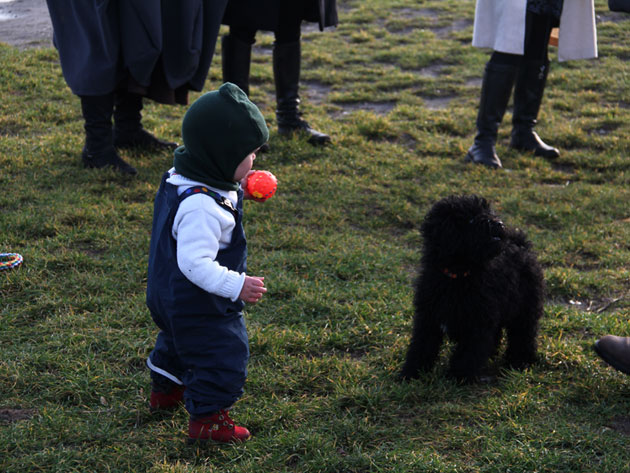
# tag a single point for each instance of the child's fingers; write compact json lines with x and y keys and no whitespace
{"x":253,"y":289}
{"x":258,"y":282}
{"x":258,"y":291}
{"x":253,"y":298}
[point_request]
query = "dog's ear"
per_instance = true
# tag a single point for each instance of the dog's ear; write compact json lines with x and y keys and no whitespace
{"x":437,"y":226}
{"x":440,"y":220}
{"x":480,"y":203}
{"x":442,"y":234}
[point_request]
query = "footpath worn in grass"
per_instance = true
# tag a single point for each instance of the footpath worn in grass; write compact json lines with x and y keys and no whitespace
{"x":397,"y":87}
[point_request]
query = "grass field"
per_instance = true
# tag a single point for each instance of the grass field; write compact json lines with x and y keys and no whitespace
{"x":397,"y":87}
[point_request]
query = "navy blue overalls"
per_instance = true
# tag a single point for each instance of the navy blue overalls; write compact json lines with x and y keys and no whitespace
{"x":203,"y":340}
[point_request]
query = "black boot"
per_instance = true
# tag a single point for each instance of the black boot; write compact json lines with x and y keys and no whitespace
{"x":128,"y":131}
{"x":528,"y":93}
{"x":236,"y":56}
{"x":286,"y":72}
{"x":496,"y":89}
{"x":99,"y":151}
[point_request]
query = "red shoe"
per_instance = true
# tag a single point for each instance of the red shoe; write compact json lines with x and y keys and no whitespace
{"x":218,"y":427}
{"x":167,"y":401}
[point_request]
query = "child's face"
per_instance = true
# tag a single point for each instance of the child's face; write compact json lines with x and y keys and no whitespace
{"x":244,"y":167}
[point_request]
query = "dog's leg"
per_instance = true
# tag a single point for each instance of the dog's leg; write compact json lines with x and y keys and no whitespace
{"x":521,"y":338}
{"x":522,"y":329}
{"x":423,"y":349}
{"x":497,"y":341}
{"x":471,"y":355}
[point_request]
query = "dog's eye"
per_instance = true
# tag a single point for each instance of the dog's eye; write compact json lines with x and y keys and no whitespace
{"x":481,"y":220}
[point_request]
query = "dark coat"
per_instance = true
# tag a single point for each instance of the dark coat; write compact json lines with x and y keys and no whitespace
{"x":263,"y":15}
{"x":104,"y":42}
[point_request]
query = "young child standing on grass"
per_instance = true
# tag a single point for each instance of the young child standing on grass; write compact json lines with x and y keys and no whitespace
{"x":197,"y":282}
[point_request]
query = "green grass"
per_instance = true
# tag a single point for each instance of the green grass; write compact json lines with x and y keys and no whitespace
{"x":338,"y":246}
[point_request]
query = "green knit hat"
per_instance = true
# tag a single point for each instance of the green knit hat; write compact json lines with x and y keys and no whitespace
{"x":219,"y":130}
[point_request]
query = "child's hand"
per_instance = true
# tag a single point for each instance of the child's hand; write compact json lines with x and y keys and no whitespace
{"x":253,"y":289}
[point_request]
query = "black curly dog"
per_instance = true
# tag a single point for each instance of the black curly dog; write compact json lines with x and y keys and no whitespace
{"x":477,"y":278}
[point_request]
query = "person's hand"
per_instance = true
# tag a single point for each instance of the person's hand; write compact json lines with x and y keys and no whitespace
{"x":253,"y":289}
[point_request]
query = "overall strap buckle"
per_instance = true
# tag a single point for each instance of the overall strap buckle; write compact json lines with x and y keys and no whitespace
{"x":223,"y":202}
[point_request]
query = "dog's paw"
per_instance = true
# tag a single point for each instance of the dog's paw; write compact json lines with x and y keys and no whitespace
{"x":521,"y":363}
{"x":464,"y":379}
{"x":408,"y":375}
{"x":468,"y":377}
{"x":486,"y":379}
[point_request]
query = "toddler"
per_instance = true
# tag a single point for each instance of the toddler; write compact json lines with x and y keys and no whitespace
{"x":197,"y":282}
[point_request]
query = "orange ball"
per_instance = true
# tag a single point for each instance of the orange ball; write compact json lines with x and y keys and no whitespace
{"x":262,"y":185}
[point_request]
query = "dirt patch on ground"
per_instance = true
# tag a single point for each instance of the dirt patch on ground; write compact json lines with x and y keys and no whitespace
{"x":25,"y":24}
{"x":621,"y":424}
{"x":14,"y":415}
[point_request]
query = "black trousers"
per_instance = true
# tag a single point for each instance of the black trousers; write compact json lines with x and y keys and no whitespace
{"x":289,"y":25}
{"x":537,"y":32}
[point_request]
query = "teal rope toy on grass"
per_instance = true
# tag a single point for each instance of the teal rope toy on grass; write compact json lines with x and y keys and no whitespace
{"x":10,"y":260}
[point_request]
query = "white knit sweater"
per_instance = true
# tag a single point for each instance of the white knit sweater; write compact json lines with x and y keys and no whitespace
{"x":201,"y":228}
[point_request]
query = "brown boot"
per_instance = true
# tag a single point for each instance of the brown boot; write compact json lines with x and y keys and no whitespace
{"x":615,"y":351}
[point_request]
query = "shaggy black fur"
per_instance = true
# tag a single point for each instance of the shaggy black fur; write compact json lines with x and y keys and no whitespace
{"x":477,"y":277}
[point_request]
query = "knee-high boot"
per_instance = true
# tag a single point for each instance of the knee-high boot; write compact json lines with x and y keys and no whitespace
{"x":128,"y":130}
{"x":496,"y":89}
{"x":236,"y":56}
{"x":286,"y":72}
{"x":528,"y":93}
{"x":99,"y":151}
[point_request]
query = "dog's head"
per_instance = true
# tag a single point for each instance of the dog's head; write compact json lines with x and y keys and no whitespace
{"x":462,"y":232}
